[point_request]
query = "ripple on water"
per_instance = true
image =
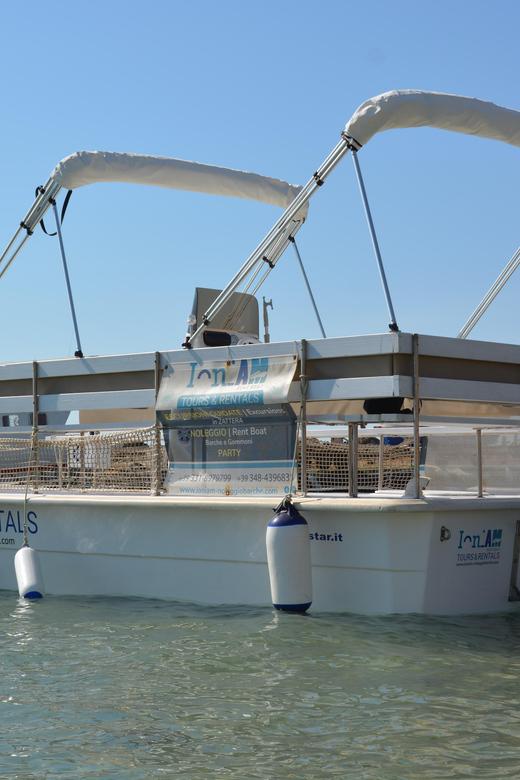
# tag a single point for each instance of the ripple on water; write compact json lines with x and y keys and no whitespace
{"x":133,"y":689}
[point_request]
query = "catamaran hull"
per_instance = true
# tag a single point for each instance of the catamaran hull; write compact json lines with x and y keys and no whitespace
{"x":436,"y":556}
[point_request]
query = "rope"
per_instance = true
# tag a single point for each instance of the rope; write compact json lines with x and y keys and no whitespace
{"x":27,"y":481}
{"x":295,"y":453}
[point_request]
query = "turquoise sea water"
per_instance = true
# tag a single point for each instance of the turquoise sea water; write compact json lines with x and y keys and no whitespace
{"x":131,"y":689}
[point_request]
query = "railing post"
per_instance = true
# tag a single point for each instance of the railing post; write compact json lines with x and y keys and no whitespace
{"x":381,"y":462}
{"x":479,"y":464}
{"x":416,"y":405}
{"x":34,"y":434}
{"x":82,"y":461}
{"x":352,"y":460}
{"x":156,"y":450}
{"x":303,"y":415}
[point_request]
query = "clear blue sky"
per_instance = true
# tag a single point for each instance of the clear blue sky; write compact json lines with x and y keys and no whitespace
{"x":265,"y":87}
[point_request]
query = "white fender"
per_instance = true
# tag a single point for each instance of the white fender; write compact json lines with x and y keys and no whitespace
{"x":29,"y":574}
{"x":289,"y":559}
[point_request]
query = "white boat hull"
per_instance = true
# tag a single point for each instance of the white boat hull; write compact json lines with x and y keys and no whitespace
{"x":368,"y":555}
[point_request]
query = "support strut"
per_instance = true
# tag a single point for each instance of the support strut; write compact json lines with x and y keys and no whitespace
{"x":375,"y":244}
{"x":78,"y":352}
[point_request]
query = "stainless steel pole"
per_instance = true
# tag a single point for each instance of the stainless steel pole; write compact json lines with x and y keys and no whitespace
{"x":381,"y":462}
{"x":78,"y":352}
{"x":316,"y":312}
{"x":352,"y":460}
{"x":375,"y":244}
{"x":303,"y":422}
{"x":491,"y":295}
{"x":416,"y":404}
{"x":274,"y":234}
{"x":34,"y":434}
{"x":156,"y":459}
{"x":479,"y":464}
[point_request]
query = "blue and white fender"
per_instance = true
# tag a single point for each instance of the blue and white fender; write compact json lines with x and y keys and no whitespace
{"x":29,"y":575}
{"x":289,"y":559}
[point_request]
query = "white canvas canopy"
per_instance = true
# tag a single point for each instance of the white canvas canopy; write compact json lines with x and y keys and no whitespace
{"x":82,"y":168}
{"x":413,"y":108}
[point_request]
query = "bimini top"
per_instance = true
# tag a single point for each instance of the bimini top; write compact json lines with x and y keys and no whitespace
{"x":82,"y":168}
{"x":413,"y":108}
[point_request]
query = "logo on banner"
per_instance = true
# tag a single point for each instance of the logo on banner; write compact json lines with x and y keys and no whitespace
{"x":250,"y":372}
{"x":213,"y":384}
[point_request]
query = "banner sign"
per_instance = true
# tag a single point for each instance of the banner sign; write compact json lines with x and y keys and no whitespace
{"x":228,"y":427}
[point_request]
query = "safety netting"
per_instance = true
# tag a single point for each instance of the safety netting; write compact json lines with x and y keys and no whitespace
{"x":136,"y":461}
{"x":381,"y":465}
{"x":126,"y":461}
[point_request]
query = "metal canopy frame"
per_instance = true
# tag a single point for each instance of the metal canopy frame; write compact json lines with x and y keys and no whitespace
{"x":44,"y":198}
{"x":280,"y":234}
{"x":283,"y":232}
{"x":250,"y":274}
{"x":491,"y":295}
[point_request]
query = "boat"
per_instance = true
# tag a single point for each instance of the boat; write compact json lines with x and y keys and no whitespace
{"x":370,"y":473}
